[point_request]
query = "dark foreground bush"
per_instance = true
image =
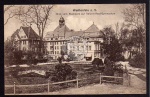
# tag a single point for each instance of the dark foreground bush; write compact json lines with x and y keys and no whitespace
{"x":63,"y":72}
{"x":138,"y":61}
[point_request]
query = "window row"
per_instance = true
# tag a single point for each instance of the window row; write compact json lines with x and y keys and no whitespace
{"x":55,"y":38}
{"x":54,"y":52}
{"x":56,"y":43}
{"x":24,"y":42}
{"x":55,"y":47}
{"x":23,"y":36}
{"x":32,"y":42}
{"x":80,"y":47}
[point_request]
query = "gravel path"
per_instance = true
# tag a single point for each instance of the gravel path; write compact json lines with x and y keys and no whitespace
{"x":96,"y":89}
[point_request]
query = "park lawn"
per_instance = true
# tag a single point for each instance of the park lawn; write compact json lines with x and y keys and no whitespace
{"x":39,"y":80}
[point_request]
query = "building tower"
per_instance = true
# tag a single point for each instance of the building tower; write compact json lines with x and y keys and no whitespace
{"x":61,"y":22}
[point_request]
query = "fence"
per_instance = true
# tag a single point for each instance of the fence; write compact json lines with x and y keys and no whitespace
{"x":101,"y":79}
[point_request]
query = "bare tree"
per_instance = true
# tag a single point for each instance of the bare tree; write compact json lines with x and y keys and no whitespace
{"x":135,"y":15}
{"x":9,"y":13}
{"x":7,"y":8}
{"x":119,"y":28}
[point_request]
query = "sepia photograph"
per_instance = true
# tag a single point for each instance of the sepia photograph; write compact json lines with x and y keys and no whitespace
{"x":72,"y":49}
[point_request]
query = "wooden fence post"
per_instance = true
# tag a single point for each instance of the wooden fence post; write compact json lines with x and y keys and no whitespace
{"x":100,"y":78}
{"x":48,"y":86}
{"x":128,"y":80}
{"x":77,"y":81}
{"x":14,"y":88}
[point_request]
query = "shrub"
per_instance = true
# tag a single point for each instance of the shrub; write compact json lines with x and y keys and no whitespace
{"x":119,"y":57}
{"x":97,"y":62}
{"x":62,"y":72}
{"x":138,"y":61}
{"x":108,"y":67}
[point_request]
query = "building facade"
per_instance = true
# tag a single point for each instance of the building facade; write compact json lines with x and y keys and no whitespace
{"x":26,"y":39}
{"x":83,"y":44}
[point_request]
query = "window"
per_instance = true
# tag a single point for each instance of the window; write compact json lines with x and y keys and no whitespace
{"x":86,"y":47}
{"x":24,"y":49}
{"x":55,"y":47}
{"x":77,"y":47}
{"x":57,"y":52}
{"x":24,"y":36}
{"x":89,"y":47}
{"x":33,"y":49}
{"x":51,"y":47}
{"x":82,"y":47}
{"x":24,"y":42}
{"x":73,"y":48}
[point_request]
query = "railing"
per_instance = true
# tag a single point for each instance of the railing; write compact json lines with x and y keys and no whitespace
{"x":68,"y":81}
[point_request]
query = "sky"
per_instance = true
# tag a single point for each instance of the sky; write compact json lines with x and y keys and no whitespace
{"x":76,"y":20}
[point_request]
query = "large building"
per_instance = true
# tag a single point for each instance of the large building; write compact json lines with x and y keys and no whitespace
{"x":83,"y":44}
{"x":26,"y":39}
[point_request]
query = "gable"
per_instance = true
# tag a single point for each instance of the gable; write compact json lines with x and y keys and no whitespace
{"x":30,"y":32}
{"x":22,"y":34}
{"x":92,"y":28}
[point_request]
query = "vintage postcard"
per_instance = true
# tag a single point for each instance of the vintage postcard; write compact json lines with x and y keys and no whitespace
{"x":75,"y":49}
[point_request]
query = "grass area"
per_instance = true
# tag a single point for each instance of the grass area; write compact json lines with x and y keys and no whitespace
{"x":92,"y":78}
{"x":38,"y":80}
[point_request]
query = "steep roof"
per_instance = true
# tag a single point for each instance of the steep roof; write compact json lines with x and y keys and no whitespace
{"x":92,"y":31}
{"x":74,"y":33}
{"x":30,"y":32}
{"x":61,"y":30}
{"x":15,"y":33}
{"x":49,"y":34}
{"x":93,"y":34}
{"x":92,"y":28}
